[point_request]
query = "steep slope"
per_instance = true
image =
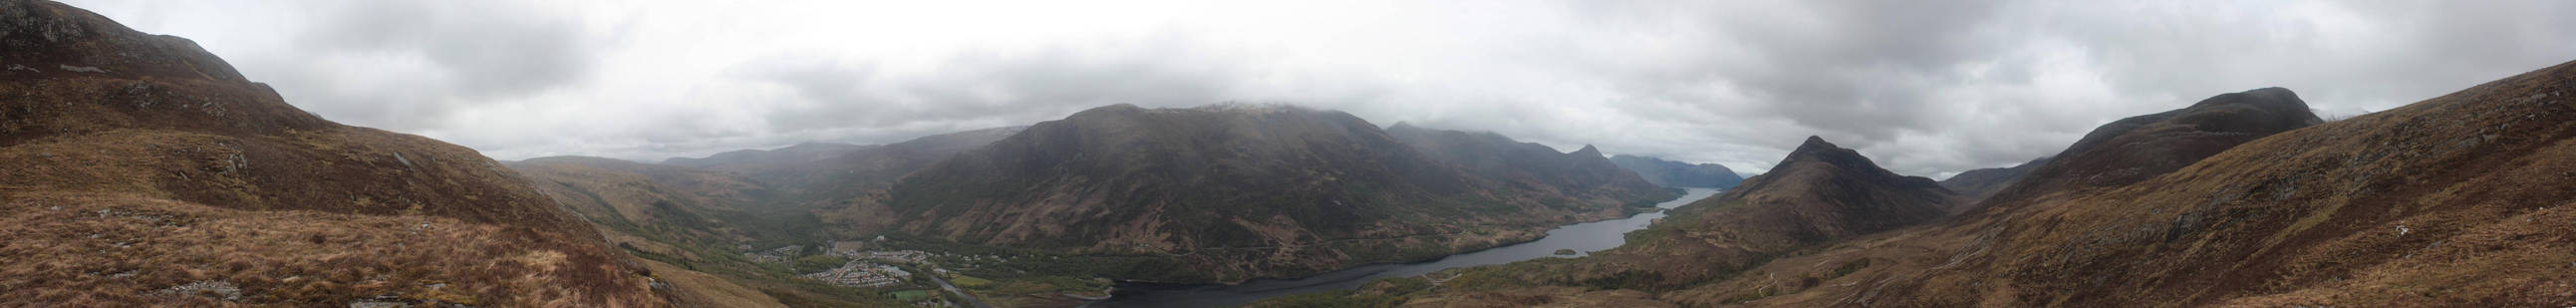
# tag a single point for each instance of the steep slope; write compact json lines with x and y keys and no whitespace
{"x":1221,"y":193}
{"x":1582,"y":174}
{"x":1679,"y":174}
{"x":1981,"y":183}
{"x":141,"y":170}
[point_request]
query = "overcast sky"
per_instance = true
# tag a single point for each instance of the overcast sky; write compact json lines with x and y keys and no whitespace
{"x":1924,"y":87}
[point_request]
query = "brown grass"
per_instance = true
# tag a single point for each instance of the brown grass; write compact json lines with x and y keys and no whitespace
{"x":109,"y":249}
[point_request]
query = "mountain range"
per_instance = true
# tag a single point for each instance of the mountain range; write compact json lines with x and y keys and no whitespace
{"x":142,"y":170}
{"x":1229,"y":192}
{"x":1679,"y":174}
{"x":2242,"y":199}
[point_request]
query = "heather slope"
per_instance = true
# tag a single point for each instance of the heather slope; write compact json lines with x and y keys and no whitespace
{"x":98,"y":116}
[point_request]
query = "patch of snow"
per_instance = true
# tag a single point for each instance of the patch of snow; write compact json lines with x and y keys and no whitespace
{"x":2401,"y":230}
{"x":15,"y":67}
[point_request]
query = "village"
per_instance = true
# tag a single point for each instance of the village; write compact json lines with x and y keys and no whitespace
{"x":861,"y":267}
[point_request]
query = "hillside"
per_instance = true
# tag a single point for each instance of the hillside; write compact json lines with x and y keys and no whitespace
{"x":142,"y":171}
{"x":2140,"y":147}
{"x":1223,"y":193}
{"x":1679,"y":174}
{"x":2459,"y":200}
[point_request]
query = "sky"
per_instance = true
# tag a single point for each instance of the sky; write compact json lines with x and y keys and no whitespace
{"x":1925,"y":88}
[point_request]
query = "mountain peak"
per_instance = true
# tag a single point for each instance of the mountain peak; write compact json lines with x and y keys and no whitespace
{"x":1587,"y":151}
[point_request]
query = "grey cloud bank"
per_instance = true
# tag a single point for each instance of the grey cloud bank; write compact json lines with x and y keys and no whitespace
{"x":1927,"y":88}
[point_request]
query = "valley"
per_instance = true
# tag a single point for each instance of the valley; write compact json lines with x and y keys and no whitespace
{"x":1312,"y":154}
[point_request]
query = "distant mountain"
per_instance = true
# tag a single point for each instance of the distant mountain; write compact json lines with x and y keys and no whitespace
{"x":821,"y":174}
{"x":1228,"y":192}
{"x":1679,"y":174}
{"x":755,"y":159}
{"x":1981,"y":183}
{"x":1529,"y":166}
{"x":140,"y":170}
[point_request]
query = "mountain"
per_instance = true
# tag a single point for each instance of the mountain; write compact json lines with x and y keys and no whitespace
{"x":1819,"y":194}
{"x":1229,"y":192}
{"x":143,"y":171}
{"x":2140,"y":147}
{"x":1981,"y":183}
{"x":1582,"y":174}
{"x":1679,"y":174}
{"x":2458,"y":200}
{"x":2453,"y":201}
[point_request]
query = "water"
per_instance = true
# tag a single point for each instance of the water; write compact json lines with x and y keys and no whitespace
{"x":1584,"y":238}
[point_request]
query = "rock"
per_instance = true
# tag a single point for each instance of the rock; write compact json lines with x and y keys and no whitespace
{"x":218,"y":289}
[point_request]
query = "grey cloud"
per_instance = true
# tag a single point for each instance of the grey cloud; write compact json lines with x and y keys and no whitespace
{"x":491,"y":49}
{"x":1013,"y":86}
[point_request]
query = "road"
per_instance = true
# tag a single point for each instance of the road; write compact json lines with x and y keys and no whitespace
{"x":970,"y":298}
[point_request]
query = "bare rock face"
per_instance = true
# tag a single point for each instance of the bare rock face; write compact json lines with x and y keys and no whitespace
{"x":94,"y":115}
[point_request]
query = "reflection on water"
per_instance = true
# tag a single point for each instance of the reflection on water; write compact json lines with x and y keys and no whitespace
{"x":1583,"y":237}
